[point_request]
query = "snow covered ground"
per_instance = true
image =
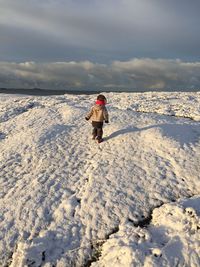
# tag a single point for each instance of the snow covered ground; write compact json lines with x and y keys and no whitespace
{"x":133,"y":200}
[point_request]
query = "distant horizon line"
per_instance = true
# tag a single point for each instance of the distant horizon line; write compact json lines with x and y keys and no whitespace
{"x":45,"y":91}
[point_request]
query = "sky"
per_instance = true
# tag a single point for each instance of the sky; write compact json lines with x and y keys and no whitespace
{"x":130,"y":44}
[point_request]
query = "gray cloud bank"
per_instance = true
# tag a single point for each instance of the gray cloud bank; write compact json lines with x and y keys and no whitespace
{"x":135,"y":74}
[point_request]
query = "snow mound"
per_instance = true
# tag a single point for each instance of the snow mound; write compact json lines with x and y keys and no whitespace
{"x":171,"y":239}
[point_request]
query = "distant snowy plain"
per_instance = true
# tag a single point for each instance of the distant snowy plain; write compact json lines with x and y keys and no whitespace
{"x":133,"y":200}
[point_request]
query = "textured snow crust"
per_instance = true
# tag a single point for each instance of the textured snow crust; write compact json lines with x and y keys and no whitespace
{"x":131,"y":201}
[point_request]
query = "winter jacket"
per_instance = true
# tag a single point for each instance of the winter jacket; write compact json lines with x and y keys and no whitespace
{"x":98,"y":113}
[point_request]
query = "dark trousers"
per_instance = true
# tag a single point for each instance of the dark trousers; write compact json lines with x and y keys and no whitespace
{"x":97,"y":131}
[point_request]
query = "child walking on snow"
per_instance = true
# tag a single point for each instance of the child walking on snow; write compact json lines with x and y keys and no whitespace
{"x":98,"y":114}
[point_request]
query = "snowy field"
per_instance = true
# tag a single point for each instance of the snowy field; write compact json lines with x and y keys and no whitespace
{"x":133,"y":200}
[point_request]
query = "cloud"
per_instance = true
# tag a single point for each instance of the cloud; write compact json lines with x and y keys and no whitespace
{"x":98,"y":30}
{"x":135,"y":74}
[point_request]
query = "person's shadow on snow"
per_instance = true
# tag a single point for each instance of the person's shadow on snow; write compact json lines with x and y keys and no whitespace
{"x":182,"y":133}
{"x":122,"y":132}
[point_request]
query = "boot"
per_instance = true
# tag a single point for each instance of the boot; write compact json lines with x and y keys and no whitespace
{"x":99,"y":140}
